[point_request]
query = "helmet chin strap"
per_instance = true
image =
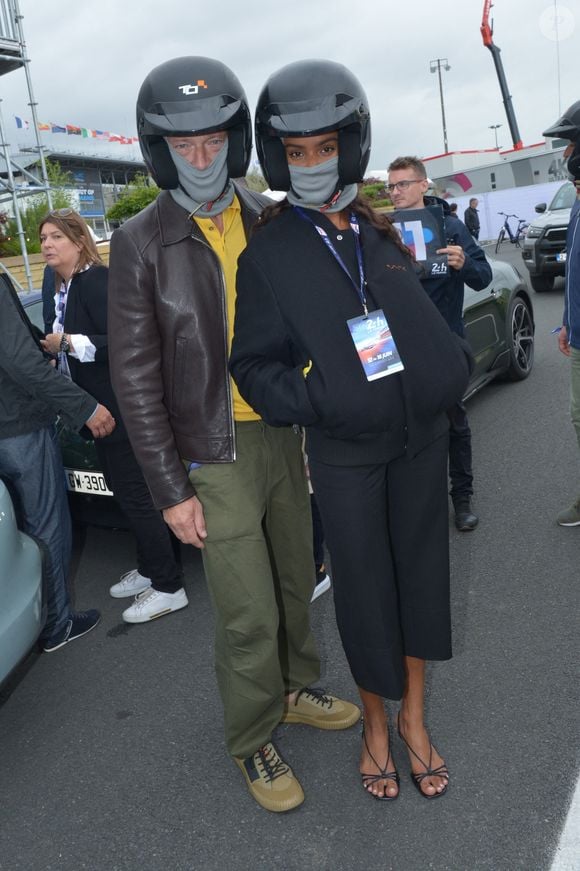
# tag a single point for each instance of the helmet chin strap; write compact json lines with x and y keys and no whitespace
{"x":207,"y":206}
{"x":333,"y":200}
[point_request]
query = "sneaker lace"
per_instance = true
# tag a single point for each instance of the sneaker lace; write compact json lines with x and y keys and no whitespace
{"x":268,"y":760}
{"x":141,"y":598}
{"x":129,"y":577}
{"x":318,"y":696}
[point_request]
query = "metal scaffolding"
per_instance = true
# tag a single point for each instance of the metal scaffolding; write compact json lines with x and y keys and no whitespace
{"x":13,"y":57}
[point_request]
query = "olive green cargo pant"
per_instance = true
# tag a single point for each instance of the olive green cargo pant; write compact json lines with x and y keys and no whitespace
{"x":575,"y":390}
{"x":260,"y":573}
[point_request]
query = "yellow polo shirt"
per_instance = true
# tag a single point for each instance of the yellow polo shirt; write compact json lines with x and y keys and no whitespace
{"x":228,"y":246}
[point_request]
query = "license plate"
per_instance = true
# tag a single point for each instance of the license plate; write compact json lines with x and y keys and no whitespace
{"x":561,"y":258}
{"x":87,"y":482}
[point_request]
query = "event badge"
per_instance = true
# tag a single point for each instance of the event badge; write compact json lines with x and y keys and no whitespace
{"x":375,"y":345}
{"x":423,"y":231}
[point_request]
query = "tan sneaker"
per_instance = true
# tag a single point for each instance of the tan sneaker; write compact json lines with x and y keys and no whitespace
{"x":270,"y":780}
{"x":315,"y":708}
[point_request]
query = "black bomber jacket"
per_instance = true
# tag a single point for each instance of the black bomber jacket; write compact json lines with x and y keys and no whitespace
{"x":292,"y":307}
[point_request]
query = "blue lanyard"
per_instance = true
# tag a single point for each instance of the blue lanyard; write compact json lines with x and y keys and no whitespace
{"x":354,"y":225}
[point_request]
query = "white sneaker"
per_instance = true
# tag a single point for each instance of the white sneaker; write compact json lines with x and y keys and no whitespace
{"x":130,"y":584}
{"x":151,"y":604}
{"x":321,"y":587}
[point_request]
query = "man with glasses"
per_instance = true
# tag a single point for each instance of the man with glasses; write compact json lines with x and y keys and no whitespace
{"x":226,"y":482}
{"x":408,"y":185}
{"x":32,"y":394}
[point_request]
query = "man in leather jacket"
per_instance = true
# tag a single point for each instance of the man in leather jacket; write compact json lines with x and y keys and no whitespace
{"x":32,"y":394}
{"x":226,"y":482}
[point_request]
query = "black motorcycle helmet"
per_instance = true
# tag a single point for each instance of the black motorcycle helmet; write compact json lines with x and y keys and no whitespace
{"x":568,"y":127}
{"x":188,"y":96}
{"x":306,"y":98}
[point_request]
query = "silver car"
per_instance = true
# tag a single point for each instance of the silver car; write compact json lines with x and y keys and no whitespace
{"x":22,"y":610}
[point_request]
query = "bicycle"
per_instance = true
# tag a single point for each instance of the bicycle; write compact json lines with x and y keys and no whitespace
{"x":506,"y":230}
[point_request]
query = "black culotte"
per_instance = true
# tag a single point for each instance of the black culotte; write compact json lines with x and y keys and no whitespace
{"x":387,"y":531}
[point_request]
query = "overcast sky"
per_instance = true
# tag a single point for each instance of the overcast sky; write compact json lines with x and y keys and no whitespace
{"x":88,"y":60}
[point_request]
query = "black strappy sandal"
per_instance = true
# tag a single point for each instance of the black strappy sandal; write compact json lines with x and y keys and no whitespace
{"x":440,"y":771}
{"x":369,"y":779}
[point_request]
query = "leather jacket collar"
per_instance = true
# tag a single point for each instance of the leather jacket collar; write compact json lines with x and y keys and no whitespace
{"x":174,"y":224}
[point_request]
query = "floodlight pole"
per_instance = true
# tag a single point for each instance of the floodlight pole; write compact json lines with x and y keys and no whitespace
{"x":435,"y":67}
{"x":495,"y":128}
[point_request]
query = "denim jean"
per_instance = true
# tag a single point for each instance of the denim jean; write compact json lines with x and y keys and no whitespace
{"x":31,"y":467}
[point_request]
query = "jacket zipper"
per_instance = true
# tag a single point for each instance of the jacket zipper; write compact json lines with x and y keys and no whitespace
{"x":225,"y":310}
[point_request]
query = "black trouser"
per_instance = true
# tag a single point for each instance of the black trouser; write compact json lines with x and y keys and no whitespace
{"x":317,"y":534}
{"x":387,"y":533}
{"x":460,"y":471}
{"x":157,"y":547}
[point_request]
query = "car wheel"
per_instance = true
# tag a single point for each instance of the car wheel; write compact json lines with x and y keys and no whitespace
{"x":520,"y":339}
{"x":542,"y":283}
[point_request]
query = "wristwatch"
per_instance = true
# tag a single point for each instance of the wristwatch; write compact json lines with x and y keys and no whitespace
{"x":64,"y":345}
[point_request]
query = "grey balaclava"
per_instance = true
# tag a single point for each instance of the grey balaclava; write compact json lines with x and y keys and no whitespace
{"x":204,"y":193}
{"x":313,"y":187}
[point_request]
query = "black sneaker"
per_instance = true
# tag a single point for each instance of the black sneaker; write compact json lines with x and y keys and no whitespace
{"x":78,"y":625}
{"x":465,"y":519}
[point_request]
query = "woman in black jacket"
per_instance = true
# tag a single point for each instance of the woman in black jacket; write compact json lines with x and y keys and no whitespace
{"x":334,"y":332}
{"x":79,"y":339}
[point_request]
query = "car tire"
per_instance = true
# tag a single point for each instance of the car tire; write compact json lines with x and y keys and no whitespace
{"x":520,"y":339}
{"x":542,"y":283}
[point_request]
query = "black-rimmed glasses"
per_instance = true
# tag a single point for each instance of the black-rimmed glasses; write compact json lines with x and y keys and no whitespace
{"x":402,"y":185}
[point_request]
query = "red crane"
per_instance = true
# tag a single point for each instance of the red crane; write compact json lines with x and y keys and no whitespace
{"x":487,"y":34}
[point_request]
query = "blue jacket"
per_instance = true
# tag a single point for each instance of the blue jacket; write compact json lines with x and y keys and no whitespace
{"x":447,"y":291}
{"x":571,"y":318}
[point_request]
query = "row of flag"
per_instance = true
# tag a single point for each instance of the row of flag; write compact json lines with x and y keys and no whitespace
{"x":73,"y":130}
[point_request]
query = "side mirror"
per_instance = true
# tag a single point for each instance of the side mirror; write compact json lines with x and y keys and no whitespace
{"x":541,"y":207}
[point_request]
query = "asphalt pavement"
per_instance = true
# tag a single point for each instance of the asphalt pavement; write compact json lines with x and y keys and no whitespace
{"x":111,"y":749}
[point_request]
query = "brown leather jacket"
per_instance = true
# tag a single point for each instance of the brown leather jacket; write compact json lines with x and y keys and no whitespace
{"x":168,"y":346}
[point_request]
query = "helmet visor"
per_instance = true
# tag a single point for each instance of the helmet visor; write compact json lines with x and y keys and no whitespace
{"x":306,"y":117}
{"x":192,"y":117}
